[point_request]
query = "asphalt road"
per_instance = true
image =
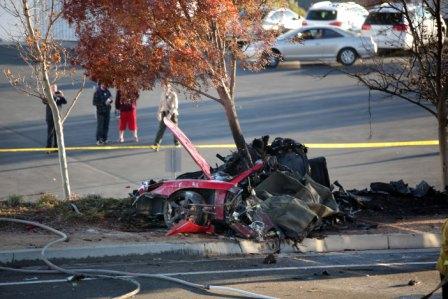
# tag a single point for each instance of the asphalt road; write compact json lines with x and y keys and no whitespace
{"x":368,"y":274}
{"x":291,"y":101}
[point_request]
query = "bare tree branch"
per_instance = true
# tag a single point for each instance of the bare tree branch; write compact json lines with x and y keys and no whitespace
{"x":199,"y":92}
{"x":78,"y":93}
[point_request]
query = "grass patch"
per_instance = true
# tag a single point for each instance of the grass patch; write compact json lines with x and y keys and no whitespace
{"x":14,"y":200}
{"x":112,"y":213}
{"x":48,"y":200}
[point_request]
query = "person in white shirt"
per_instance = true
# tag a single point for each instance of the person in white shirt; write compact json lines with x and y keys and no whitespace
{"x":168,"y":107}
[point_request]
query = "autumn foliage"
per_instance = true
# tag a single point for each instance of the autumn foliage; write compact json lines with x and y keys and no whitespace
{"x":194,"y":44}
{"x":141,"y":41}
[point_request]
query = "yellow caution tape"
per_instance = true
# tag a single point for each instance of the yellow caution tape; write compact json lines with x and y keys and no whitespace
{"x":230,"y":146}
{"x":373,"y":144}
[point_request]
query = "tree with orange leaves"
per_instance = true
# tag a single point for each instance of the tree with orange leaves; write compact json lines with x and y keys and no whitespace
{"x":194,"y":44}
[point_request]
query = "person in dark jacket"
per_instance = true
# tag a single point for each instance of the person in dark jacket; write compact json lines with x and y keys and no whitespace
{"x":126,"y":103}
{"x":60,"y":100}
{"x":102,"y":99}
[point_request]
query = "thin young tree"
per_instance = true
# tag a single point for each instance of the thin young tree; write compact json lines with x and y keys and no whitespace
{"x":47,"y":63}
{"x":194,"y":44}
{"x":421,"y":76}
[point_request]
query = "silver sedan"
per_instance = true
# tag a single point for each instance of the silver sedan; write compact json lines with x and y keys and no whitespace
{"x":323,"y":43}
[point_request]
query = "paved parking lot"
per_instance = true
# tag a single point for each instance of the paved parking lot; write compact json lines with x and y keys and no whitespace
{"x":291,"y":101}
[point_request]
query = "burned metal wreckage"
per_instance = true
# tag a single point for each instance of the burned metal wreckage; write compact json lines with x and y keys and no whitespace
{"x":283,"y":195}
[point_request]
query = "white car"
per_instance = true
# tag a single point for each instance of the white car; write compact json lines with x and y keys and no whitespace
{"x":321,"y":43}
{"x":282,"y":19}
{"x":346,"y":15}
{"x":390,"y":28}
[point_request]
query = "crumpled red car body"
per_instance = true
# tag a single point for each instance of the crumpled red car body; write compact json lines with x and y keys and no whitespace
{"x":220,"y":188}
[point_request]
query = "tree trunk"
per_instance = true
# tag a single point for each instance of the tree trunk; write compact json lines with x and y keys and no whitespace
{"x":234,"y":124}
{"x":48,"y":95}
{"x":442,"y":114}
{"x":59,"y":129}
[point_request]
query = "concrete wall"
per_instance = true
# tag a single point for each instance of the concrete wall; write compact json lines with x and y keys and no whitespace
{"x":11,"y":28}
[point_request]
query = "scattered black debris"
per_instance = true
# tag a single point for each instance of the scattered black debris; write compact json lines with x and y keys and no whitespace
{"x":394,"y":198}
{"x":401,"y":188}
{"x":325,"y":273}
{"x":270,"y":259}
{"x":413,"y":282}
{"x":291,"y":197}
{"x":75,"y":279}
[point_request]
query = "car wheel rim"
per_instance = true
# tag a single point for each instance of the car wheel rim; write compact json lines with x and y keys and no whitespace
{"x":271,"y":60}
{"x":347,"y":57}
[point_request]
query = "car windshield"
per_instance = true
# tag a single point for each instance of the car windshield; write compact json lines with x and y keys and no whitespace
{"x":321,"y":15}
{"x":383,"y":18}
{"x":276,"y":17}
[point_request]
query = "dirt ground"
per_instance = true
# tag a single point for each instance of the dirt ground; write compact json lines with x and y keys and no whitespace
{"x":377,"y":214}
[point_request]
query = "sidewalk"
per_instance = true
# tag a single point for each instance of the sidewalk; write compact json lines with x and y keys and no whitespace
{"x":414,"y":233}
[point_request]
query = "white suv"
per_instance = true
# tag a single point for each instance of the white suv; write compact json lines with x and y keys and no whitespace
{"x":282,"y":19}
{"x":346,"y":15}
{"x":390,"y":29}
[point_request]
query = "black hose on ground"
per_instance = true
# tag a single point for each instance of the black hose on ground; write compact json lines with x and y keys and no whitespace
{"x":112,"y":274}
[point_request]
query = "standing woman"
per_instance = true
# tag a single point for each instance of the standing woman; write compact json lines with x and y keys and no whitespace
{"x":126,"y":103}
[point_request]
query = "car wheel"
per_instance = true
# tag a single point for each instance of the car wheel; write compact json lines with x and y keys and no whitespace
{"x":347,"y":56}
{"x":182,"y":206}
{"x":271,"y":60}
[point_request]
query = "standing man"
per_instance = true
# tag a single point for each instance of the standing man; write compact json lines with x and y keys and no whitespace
{"x":102,"y":99}
{"x":60,"y":100}
{"x":168,"y":107}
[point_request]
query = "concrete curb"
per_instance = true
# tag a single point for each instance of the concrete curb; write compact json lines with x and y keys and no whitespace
{"x":329,"y":244}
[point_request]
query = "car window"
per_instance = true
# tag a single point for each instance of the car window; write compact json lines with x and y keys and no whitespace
{"x":384,"y":18}
{"x":328,"y":33}
{"x":321,"y":15}
{"x":289,"y":34}
{"x":312,"y":34}
{"x":289,"y":15}
{"x":276,"y":16}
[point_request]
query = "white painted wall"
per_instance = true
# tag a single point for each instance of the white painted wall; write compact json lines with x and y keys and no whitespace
{"x":11,"y":29}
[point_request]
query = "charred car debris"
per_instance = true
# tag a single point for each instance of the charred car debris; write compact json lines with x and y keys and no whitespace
{"x":284,"y":195}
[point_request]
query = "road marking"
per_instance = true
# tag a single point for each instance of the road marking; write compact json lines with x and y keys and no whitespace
{"x":299,"y":268}
{"x":373,"y":144}
{"x":348,"y":145}
{"x":14,"y":283}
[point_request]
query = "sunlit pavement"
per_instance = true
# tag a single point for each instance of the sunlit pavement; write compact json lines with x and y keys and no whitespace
{"x":368,"y":274}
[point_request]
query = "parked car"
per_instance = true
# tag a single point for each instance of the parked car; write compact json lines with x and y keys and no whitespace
{"x":390,"y":29}
{"x":282,"y":19}
{"x":324,"y":43}
{"x":346,"y":15}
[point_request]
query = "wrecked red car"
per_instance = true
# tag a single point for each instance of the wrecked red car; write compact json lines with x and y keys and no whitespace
{"x":194,"y":205}
{"x":244,"y":200}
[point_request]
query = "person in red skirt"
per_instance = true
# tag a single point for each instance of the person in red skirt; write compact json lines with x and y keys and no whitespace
{"x":126,"y":103}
